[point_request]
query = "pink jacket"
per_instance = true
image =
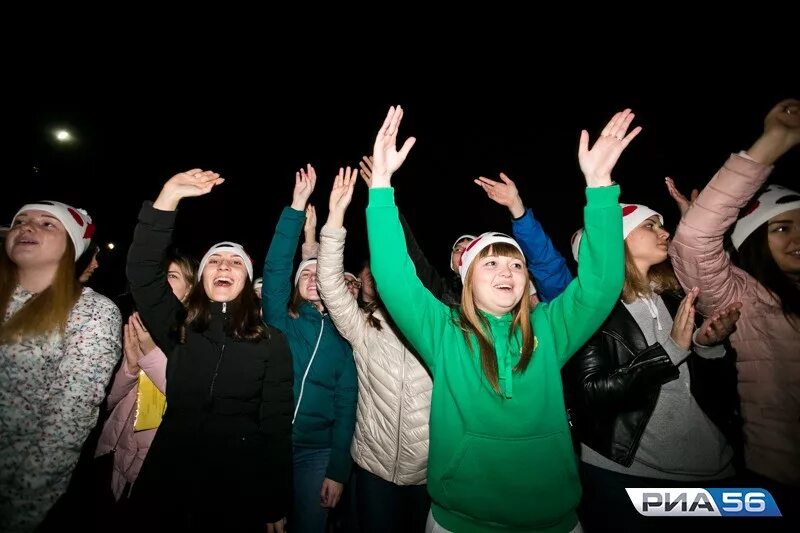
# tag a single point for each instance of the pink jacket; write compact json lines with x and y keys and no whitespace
{"x":132,"y":447}
{"x":767,"y":346}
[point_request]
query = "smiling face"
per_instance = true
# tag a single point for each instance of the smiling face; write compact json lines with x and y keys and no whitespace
{"x":224,"y":276}
{"x":783,"y":238}
{"x":648,"y":243}
{"x":497,"y":279}
{"x":36,"y":239}
{"x":307,"y":283}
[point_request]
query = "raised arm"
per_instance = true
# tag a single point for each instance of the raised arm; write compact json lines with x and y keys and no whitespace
{"x":154,"y":298}
{"x":277,"y":286}
{"x":419,"y":315}
{"x":584,"y":305}
{"x":697,"y":251}
{"x":546,"y":265}
{"x":341,"y":305}
{"x":310,"y":247}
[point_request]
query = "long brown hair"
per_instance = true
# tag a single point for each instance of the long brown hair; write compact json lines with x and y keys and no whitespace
{"x":245,"y":323}
{"x":48,"y":311}
{"x":660,"y":278}
{"x":755,"y":258}
{"x":474,"y":324}
{"x":295,"y":302}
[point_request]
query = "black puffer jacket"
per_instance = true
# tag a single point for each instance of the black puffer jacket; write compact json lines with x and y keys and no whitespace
{"x":222,"y":454}
{"x":612,"y":386}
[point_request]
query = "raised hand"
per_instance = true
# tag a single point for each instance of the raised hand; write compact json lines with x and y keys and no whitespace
{"x":683,"y":203}
{"x":386,"y":158}
{"x":195,"y":182}
{"x":683,"y":323}
{"x":341,"y":195}
{"x":596,"y":163}
{"x":304,"y":182}
{"x":718,"y":327}
{"x":366,"y":169}
{"x":504,"y":193}
{"x":310,"y":225}
{"x":781,"y":132}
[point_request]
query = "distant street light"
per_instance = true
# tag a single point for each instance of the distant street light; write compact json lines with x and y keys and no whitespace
{"x":110,"y":245}
{"x":63,"y":136}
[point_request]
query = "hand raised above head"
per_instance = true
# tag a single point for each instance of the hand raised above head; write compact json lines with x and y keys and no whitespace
{"x":386,"y":158}
{"x":310,"y":225}
{"x":366,"y":169}
{"x":342,"y":190}
{"x":304,"y":182}
{"x":598,"y":162}
{"x":194,"y":182}
{"x":503,"y":192}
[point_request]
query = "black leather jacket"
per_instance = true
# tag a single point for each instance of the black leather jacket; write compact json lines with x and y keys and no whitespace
{"x":612,"y":386}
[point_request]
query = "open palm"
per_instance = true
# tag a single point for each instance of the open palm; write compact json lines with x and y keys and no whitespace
{"x":195,"y":182}
{"x":342,"y":191}
{"x":596,"y":163}
{"x":386,"y":158}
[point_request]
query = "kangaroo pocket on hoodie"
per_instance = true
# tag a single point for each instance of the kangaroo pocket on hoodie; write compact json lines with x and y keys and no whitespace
{"x":516,"y":481}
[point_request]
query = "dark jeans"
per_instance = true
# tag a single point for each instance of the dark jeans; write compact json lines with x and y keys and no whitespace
{"x":605,"y":506}
{"x":388,"y":508}
{"x":310,"y":466}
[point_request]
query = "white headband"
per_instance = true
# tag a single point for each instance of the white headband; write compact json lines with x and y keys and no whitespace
{"x":771,"y":203}
{"x":77,"y":222}
{"x":229,"y":247}
{"x":302,"y":266}
{"x":478,"y":244}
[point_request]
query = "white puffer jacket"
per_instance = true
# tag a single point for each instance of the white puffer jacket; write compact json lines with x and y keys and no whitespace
{"x":394,"y":387}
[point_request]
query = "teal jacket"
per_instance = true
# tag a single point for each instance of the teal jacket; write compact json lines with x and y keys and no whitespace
{"x":501,"y":462}
{"x":326,"y":417}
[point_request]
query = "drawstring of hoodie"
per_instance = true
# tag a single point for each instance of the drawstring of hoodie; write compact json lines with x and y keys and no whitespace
{"x":651,"y":306}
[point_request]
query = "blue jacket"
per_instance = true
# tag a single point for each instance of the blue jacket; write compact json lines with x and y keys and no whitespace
{"x":547,"y":267}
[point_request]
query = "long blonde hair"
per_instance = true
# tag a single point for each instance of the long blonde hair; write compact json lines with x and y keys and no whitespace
{"x":660,"y":278}
{"x":473,"y":323}
{"x":45,"y":313}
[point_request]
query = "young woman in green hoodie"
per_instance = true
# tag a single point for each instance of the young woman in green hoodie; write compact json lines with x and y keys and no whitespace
{"x":501,"y":457}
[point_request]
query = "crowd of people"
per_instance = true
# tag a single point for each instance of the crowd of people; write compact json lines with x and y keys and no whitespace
{"x":509,"y":394}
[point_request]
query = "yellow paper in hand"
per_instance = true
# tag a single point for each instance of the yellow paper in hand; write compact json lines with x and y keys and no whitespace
{"x":150,"y":404}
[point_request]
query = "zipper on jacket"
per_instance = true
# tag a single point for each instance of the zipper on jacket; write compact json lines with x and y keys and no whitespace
{"x":219,"y":360}
{"x":214,"y":377}
{"x":399,"y":418}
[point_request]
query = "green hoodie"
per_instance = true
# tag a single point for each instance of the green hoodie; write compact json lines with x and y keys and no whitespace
{"x":501,"y":462}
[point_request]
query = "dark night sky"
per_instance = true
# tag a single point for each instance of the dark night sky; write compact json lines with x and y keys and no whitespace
{"x":464,"y":129}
